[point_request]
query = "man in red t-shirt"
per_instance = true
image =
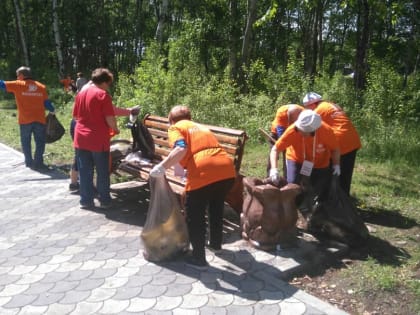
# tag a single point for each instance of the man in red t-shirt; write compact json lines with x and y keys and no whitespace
{"x":95,"y":118}
{"x":31,"y":101}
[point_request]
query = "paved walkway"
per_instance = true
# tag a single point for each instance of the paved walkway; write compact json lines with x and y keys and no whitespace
{"x":58,"y":259}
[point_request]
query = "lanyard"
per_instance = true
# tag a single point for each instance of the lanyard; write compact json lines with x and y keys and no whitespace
{"x":313,"y":149}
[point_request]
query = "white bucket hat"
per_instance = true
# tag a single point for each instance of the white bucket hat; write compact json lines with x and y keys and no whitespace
{"x":308,"y":121}
{"x":311,"y":98}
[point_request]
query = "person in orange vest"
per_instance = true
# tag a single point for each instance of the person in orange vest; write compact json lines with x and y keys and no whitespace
{"x":210,"y":176}
{"x":344,"y":130}
{"x":67,"y":83}
{"x":311,"y":145}
{"x":285,"y":116}
{"x":31,"y":101}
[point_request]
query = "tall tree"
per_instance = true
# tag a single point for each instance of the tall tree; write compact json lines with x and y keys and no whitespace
{"x":57,"y":39}
{"x":247,"y":40}
{"x":21,"y":32}
{"x":362,"y":43}
{"x":162,"y":16}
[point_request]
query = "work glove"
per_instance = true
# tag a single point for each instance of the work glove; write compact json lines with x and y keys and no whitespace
{"x":274,"y":176}
{"x":133,"y":113}
{"x":158,"y":170}
{"x":135,"y":110}
{"x":336,"y":170}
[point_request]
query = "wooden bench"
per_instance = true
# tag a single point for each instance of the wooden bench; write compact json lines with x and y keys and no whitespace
{"x":232,"y":140}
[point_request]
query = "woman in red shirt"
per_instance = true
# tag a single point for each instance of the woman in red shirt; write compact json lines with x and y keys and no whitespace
{"x":95,"y":116}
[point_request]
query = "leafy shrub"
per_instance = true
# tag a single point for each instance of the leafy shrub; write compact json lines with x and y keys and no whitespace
{"x":386,"y":121}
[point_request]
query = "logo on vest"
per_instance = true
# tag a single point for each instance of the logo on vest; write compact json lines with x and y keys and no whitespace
{"x":32,"y":88}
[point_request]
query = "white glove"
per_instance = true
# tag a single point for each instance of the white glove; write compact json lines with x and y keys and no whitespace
{"x":157,"y":171}
{"x":336,"y":170}
{"x":274,"y":176}
{"x":134,"y":113}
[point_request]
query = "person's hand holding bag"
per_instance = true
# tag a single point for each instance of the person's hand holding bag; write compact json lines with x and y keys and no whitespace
{"x":158,"y":170}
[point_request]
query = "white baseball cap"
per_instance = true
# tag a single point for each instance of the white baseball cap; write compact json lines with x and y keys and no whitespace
{"x":308,"y":121}
{"x":311,"y":98}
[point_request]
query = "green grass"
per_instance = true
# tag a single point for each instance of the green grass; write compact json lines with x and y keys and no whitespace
{"x":386,"y":192}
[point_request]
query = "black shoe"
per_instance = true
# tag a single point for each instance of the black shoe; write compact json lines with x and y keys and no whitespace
{"x":41,"y":168}
{"x":87,"y":206}
{"x":105,"y":205}
{"x":74,"y":186}
{"x":215,"y":249}
{"x":197,"y":264}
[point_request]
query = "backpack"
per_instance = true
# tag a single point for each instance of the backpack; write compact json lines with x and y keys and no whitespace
{"x":142,"y":140}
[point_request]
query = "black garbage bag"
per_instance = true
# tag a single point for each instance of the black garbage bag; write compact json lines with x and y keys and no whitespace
{"x":165,"y":231}
{"x":337,"y":218}
{"x":142,"y":140}
{"x":54,"y":129}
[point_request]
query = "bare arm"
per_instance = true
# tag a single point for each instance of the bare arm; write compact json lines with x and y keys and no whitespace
{"x":174,"y":157}
{"x":274,"y":157}
{"x":112,"y":123}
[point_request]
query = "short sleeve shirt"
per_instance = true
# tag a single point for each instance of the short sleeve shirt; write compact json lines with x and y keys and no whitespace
{"x":30,"y":96}
{"x":303,"y":148}
{"x":281,"y":118}
{"x":92,"y":132}
{"x":205,"y":161}
{"x":336,"y":118}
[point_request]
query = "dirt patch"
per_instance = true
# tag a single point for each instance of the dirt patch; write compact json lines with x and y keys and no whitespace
{"x":338,"y":282}
{"x":333,"y":288}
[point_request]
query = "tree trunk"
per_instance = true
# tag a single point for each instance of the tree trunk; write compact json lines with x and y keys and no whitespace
{"x":247,"y":42}
{"x":363,"y":36}
{"x":57,"y":39}
{"x":21,"y":33}
{"x":313,"y":39}
{"x":234,"y":34}
{"x":162,"y":16}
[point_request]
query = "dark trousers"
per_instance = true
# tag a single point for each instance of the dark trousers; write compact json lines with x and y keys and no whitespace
{"x":196,"y":202}
{"x":320,"y":178}
{"x":347,"y":162}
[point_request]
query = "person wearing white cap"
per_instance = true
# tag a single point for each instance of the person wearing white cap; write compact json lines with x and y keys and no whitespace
{"x":344,"y":130}
{"x":311,"y":145}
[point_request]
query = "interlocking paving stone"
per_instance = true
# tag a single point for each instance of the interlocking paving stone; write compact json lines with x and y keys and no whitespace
{"x":127,"y":293}
{"x":73,"y":297}
{"x":56,"y":258}
{"x":47,"y":298}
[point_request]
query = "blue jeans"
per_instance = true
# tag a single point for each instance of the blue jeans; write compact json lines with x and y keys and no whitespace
{"x":88,"y":161}
{"x":26,"y":131}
